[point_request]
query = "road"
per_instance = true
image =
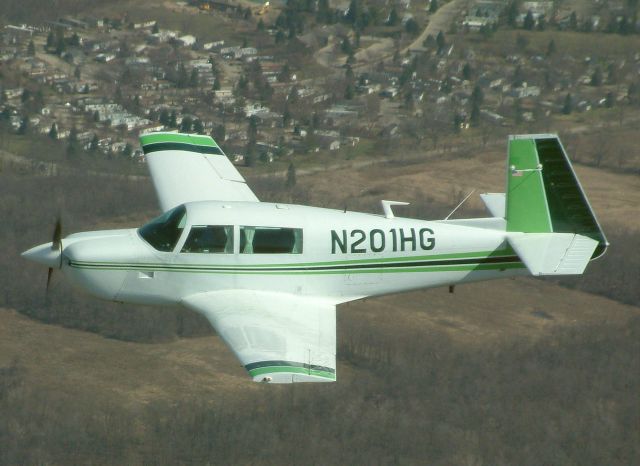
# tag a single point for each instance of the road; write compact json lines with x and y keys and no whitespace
{"x":441,"y":20}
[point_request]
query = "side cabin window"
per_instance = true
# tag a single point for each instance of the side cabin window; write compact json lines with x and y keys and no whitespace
{"x":163,"y":232}
{"x":270,"y":240}
{"x":209,"y":239}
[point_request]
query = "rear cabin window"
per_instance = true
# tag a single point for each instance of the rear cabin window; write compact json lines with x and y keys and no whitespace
{"x":163,"y":232}
{"x":270,"y":240}
{"x":209,"y":239}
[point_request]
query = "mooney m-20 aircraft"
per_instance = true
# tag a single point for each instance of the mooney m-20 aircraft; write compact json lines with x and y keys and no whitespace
{"x":269,"y":276}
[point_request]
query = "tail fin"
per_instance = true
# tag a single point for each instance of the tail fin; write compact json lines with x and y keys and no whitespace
{"x":545,"y":201}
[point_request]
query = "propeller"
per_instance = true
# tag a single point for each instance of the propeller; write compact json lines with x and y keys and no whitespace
{"x":56,"y":245}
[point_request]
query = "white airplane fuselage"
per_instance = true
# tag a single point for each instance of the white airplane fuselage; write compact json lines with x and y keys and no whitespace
{"x":268,"y":276}
{"x":344,"y":256}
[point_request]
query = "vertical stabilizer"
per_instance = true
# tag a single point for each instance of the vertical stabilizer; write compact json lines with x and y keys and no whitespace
{"x":544,"y":196}
{"x":527,"y":209}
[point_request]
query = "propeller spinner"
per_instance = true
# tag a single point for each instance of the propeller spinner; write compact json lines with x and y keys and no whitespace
{"x":49,"y":254}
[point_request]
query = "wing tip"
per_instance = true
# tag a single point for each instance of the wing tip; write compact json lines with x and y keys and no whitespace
{"x":289,"y":372}
{"x":195,"y":140}
{"x":291,"y":377}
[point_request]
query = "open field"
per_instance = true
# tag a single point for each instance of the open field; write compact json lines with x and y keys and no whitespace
{"x":419,"y":374}
{"x":601,"y":46}
{"x":614,"y":196}
{"x":481,"y":315}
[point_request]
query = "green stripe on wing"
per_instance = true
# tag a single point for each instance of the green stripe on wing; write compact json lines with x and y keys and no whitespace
{"x":193,"y":139}
{"x":293,"y":370}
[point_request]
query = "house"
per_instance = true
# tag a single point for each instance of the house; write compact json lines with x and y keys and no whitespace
{"x":13,"y":93}
{"x":213,"y":45}
{"x":538,"y":8}
{"x":493,"y":117}
{"x":475,"y":23}
{"x":230,"y":52}
{"x":525,"y":91}
{"x":22,"y":30}
{"x":163,"y":35}
{"x":269,"y":119}
{"x":74,"y":23}
{"x":328,"y":139}
{"x":225,"y":94}
{"x":144,"y":24}
{"x":254,"y":108}
{"x":248,"y":51}
{"x":152,"y":128}
{"x":187,"y":40}
{"x":334,"y":145}
{"x":105,"y":57}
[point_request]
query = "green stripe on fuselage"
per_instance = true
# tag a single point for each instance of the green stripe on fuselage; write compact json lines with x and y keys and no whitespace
{"x":509,"y":263}
{"x":463,"y":255}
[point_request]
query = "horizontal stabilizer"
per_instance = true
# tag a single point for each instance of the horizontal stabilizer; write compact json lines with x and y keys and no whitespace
{"x":553,"y":253}
{"x":495,"y":202}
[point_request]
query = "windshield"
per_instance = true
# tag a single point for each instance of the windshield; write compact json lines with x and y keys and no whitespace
{"x":163,"y":232}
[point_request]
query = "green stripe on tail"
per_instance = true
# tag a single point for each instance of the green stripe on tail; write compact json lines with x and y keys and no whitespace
{"x":526,"y":203}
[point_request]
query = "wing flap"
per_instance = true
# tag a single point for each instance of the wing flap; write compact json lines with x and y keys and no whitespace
{"x":187,"y":168}
{"x":278,"y":338}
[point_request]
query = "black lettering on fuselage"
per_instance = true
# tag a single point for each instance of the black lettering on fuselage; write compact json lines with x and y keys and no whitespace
{"x":401,"y":239}
{"x":408,"y":239}
{"x":428,"y":243}
{"x":372,"y":240}
{"x":335,"y":240}
{"x":394,"y":235}
{"x":354,"y":246}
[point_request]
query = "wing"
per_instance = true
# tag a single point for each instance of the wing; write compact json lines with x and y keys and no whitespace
{"x":189,"y":167}
{"x":277,"y":337}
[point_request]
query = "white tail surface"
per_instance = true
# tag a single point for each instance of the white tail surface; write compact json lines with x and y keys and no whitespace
{"x":553,"y":253}
{"x":495,"y":202}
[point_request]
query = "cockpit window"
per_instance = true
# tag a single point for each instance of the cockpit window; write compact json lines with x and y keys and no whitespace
{"x":163,"y":232}
{"x":209,"y":239}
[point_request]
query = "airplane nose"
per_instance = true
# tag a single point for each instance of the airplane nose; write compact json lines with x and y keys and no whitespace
{"x":44,"y":254}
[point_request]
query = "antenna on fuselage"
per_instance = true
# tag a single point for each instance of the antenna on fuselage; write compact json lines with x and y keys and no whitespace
{"x":459,"y":205}
{"x":386,"y":207}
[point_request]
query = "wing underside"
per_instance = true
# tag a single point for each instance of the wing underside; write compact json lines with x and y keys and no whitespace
{"x":278,"y":338}
{"x":187,"y":168}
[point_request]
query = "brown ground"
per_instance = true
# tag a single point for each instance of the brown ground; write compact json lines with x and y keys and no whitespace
{"x":79,"y":363}
{"x":614,"y":196}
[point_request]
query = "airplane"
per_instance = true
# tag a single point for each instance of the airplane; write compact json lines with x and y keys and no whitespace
{"x":268,"y":276}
